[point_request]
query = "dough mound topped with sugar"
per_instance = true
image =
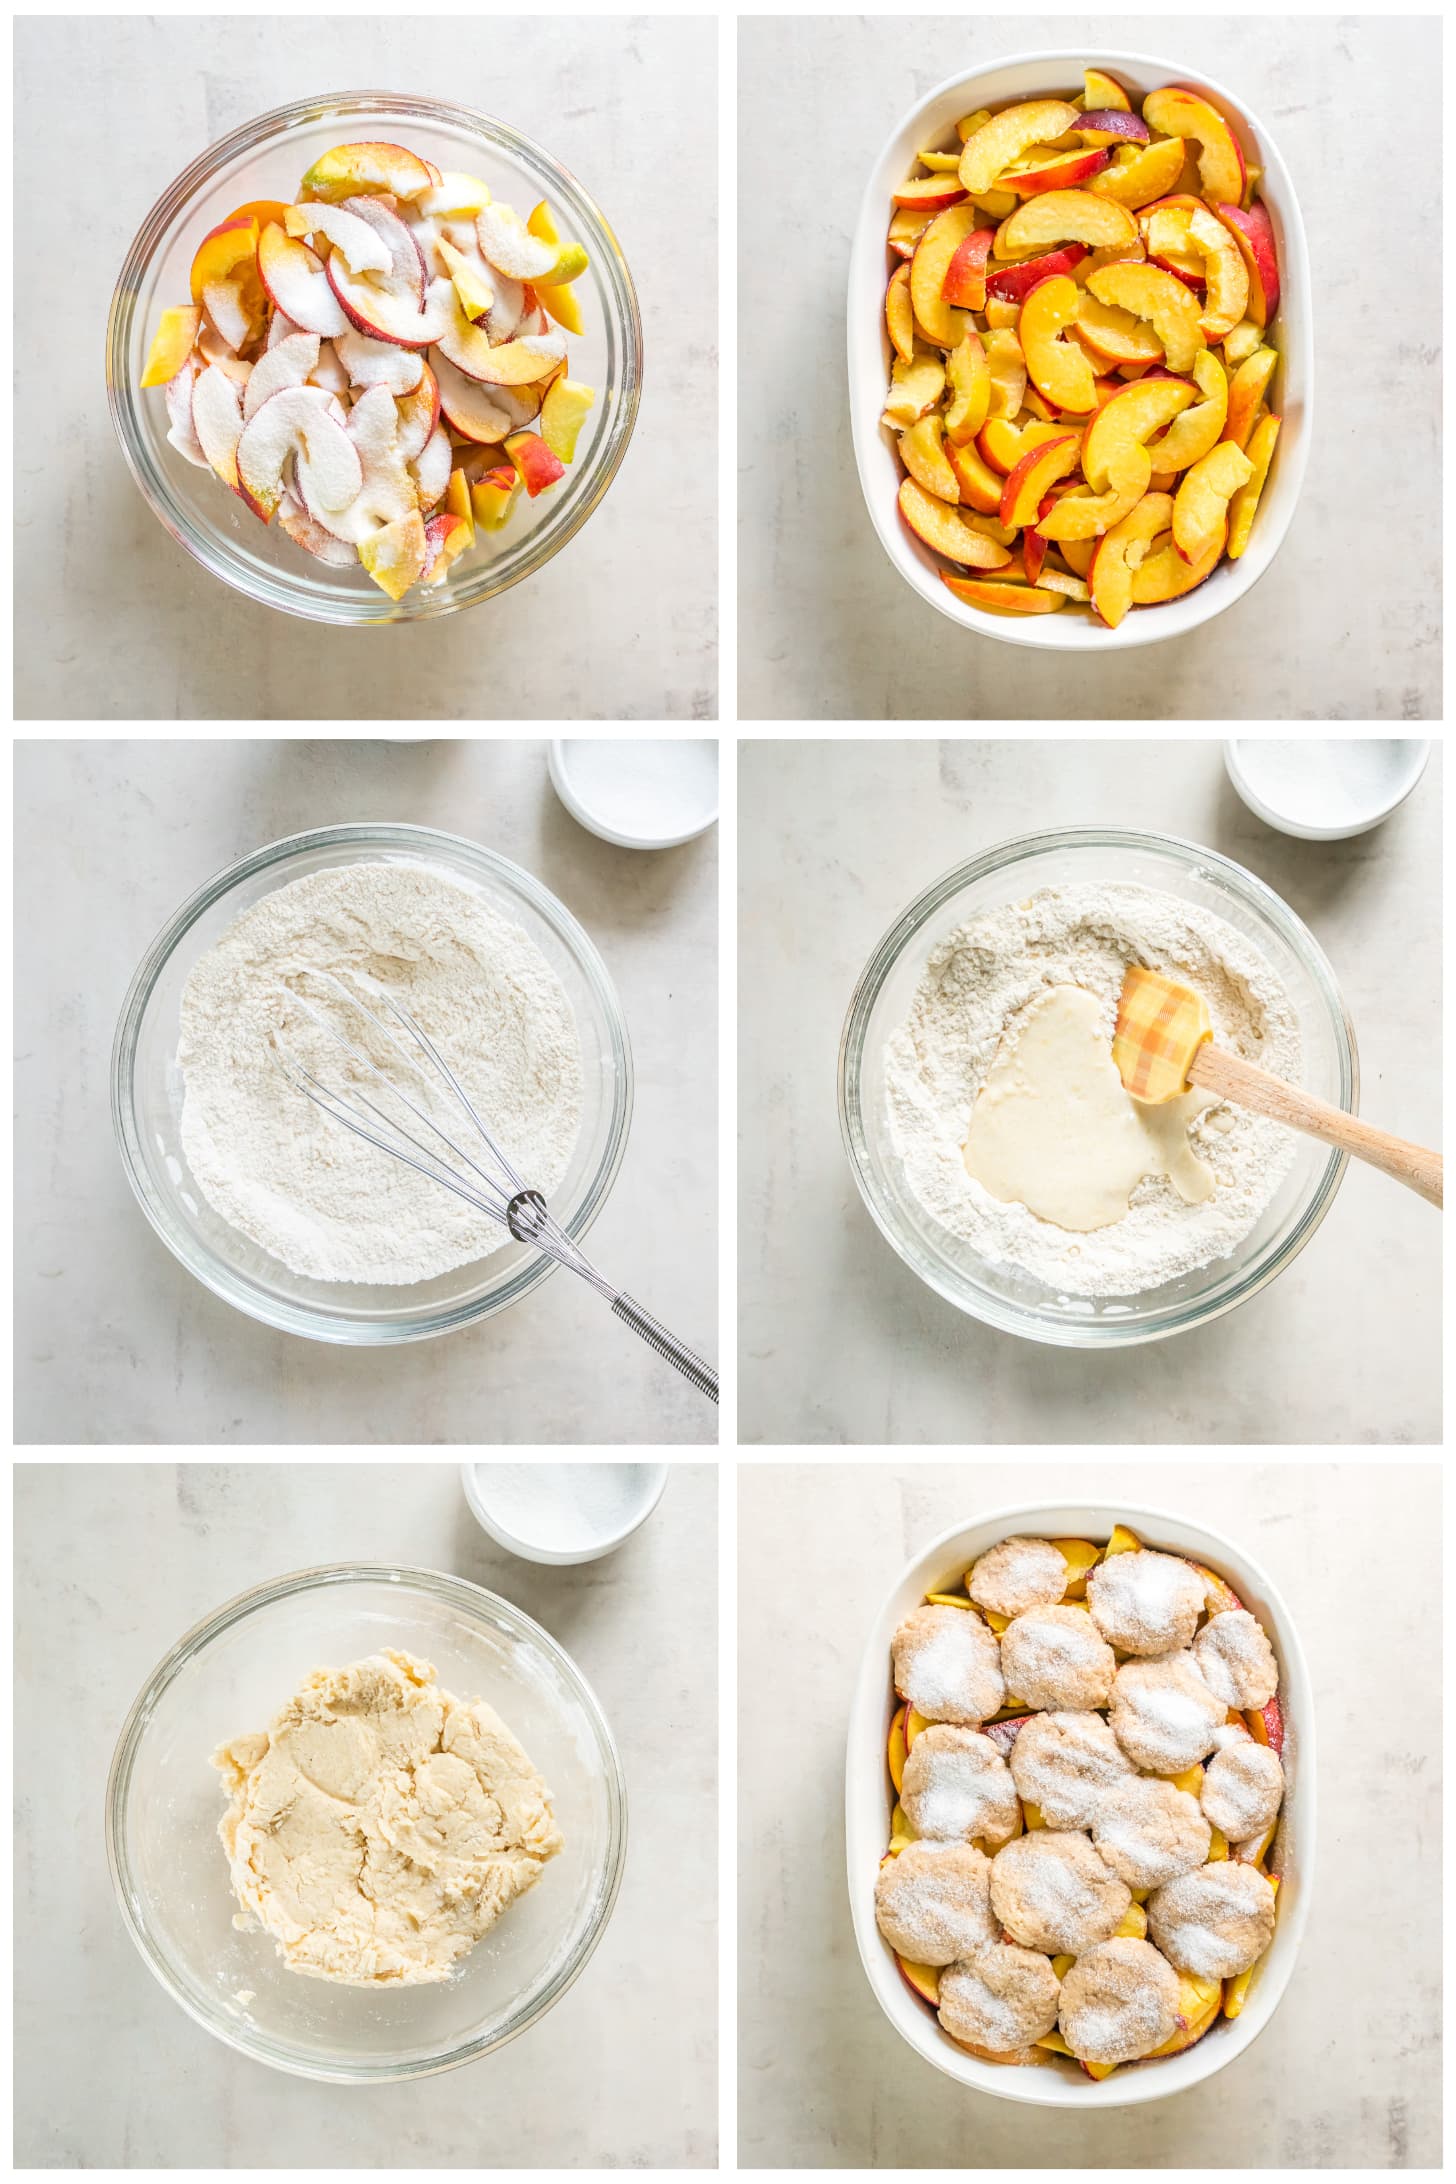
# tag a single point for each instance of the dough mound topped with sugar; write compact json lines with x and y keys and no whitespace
{"x":948,"y":1665}
{"x":1018,"y":1574}
{"x":378,"y":1827}
{"x":1145,"y":1603}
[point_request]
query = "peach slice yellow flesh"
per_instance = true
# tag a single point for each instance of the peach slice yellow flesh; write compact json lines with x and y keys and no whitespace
{"x":1061,"y":171}
{"x":1057,"y":367}
{"x":1155,"y":295}
{"x":965,"y":280}
{"x":940,"y":526}
{"x":1176,"y":111}
{"x":1165,"y":575}
{"x":929,"y":193}
{"x":979,"y":484}
{"x":1065,"y":216}
{"x":1190,"y":437}
{"x":899,"y":318}
{"x":1011,"y":284}
{"x":1227,"y":277}
{"x":905,"y":230}
{"x":1200,"y":507}
{"x":1130,"y":416}
{"x":1253,"y":231}
{"x":922,"y":451}
{"x":566,"y":407}
{"x":1150,"y":172}
{"x":1119,"y":553}
{"x":1260,"y":451}
{"x":1002,"y":445}
{"x":1094,"y":514}
{"x":1007,"y":367}
{"x":915,"y":388}
{"x":514,"y":363}
{"x":1114,"y":335}
{"x":395,"y":555}
{"x":969,"y":378}
{"x":559,"y":298}
{"x":224,"y":252}
{"x":938,"y":320}
{"x":897,"y":1749}
{"x":172,"y":344}
{"x":1100,"y":89}
{"x":1002,"y":141}
{"x":371,"y":170}
{"x":1246,"y":391}
{"x":1003,"y":599}
{"x":1037,"y":471}
{"x":493,"y":496}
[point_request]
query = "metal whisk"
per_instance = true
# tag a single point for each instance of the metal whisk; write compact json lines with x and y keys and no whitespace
{"x":490,"y":1184}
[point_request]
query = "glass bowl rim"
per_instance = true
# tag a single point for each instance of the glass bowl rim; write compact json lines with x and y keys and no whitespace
{"x":450,"y":1590}
{"x":215,"y":1273}
{"x":1088,"y":1333}
{"x":542,"y":544}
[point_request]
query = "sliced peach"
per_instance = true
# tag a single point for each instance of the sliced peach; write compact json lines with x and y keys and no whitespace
{"x":1190,"y":437}
{"x":1141,"y":174}
{"x":940,"y":526}
{"x":899,"y":317}
{"x":1081,"y":1558}
{"x":1130,"y":417}
{"x":916,"y":1725}
{"x":934,"y":252}
{"x":897,"y":1749}
{"x":1253,"y":231}
{"x":1266,"y":1725}
{"x":1004,"y":599}
{"x":1239,"y":345}
{"x":1226,"y":296}
{"x":1120,"y":552}
{"x":1200,"y":506}
{"x":493,"y":496}
{"x":1002,"y":444}
{"x":1151,"y":293}
{"x":561,"y":300}
{"x":1037,"y":471}
{"x":1177,"y":111}
{"x":969,"y":377}
{"x":901,"y":1831}
{"x":1065,"y":216}
{"x":929,"y":193}
{"x":225,"y":253}
{"x":1242,"y":507}
{"x":980,"y":485}
{"x":1116,"y":336}
{"x":1099,"y":89}
{"x":1012,"y":283}
{"x":968,"y":124}
{"x":1122,"y":1542}
{"x":1057,"y":367}
{"x":1007,"y":367}
{"x":1072,"y":587}
{"x":1001,"y":142}
{"x":1246,"y":392}
{"x":1111,"y":127}
{"x":940,"y":162}
{"x":1062,"y":171}
{"x":1092,"y":515}
{"x":923,"y":1979}
{"x":1077,"y":553}
{"x":1034,"y":402}
{"x":1165,"y":575}
{"x":965,"y":280}
{"x":563,"y":413}
{"x":923,"y":454}
{"x":915,"y":388}
{"x":172,"y":344}
{"x":1236,"y":1992}
{"x":906,"y":229}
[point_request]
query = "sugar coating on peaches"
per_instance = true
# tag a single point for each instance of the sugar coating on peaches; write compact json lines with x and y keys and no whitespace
{"x":1079,"y":311}
{"x":380,"y":365}
{"x":1081,"y":1874}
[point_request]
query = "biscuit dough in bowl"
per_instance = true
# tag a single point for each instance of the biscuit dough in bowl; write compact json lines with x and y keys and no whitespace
{"x":379,"y":1826}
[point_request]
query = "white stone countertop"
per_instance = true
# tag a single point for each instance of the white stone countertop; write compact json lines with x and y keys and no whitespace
{"x":1347,"y":2074}
{"x":115,"y":1342}
{"x":838,"y":1340}
{"x":114,"y":621}
{"x":113,"y":1562}
{"x":828,"y":630}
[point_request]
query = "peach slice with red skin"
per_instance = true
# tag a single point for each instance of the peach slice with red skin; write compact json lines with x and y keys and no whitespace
{"x":1165,"y":575}
{"x":1177,"y":111}
{"x":1151,"y":293}
{"x":1226,"y":277}
{"x":929,"y":193}
{"x":1066,"y":216}
{"x":1058,"y":367}
{"x":1260,"y":451}
{"x":370,"y":170}
{"x":1253,"y":231}
{"x":1002,"y":444}
{"x":1112,"y":125}
{"x":1266,"y":1725}
{"x":934,"y":253}
{"x":1246,"y":391}
{"x":1011,"y":283}
{"x":906,"y":228}
{"x":225,"y":252}
{"x":965,"y":280}
{"x":1200,"y":506}
{"x":1062,"y":171}
{"x":1129,"y":417}
{"x":1090,"y":515}
{"x":1140,"y":180}
{"x":493,"y":496}
{"x":922,"y":1979}
{"x":969,"y":377}
{"x":1120,"y":551}
{"x":1002,"y":598}
{"x":1007,"y":137}
{"x":942,"y":527}
{"x":1219,"y":1596}
{"x":980,"y":486}
{"x":1029,"y":483}
{"x":899,"y":318}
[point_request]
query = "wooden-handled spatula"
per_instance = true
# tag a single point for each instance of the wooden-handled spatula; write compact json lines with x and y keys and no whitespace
{"x":1163,"y":1045}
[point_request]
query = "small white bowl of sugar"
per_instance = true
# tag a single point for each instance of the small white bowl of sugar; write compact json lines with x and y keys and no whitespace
{"x":639,"y":792}
{"x":562,"y":1512}
{"x":1325,"y":788}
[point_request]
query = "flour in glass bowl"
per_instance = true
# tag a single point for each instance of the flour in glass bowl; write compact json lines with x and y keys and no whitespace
{"x":301,"y":1185}
{"x":973,"y":989}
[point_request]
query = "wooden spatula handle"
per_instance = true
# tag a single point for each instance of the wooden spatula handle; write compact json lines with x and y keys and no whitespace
{"x":1215,"y":1070}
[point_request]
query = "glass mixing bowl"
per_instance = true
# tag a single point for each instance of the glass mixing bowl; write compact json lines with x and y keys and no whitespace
{"x":229,"y":1676}
{"x":146,"y":1097}
{"x":267,"y":158}
{"x":1004,"y":1296}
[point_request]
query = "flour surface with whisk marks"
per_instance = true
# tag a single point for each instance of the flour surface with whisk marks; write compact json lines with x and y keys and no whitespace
{"x":975,"y":985}
{"x":301,"y":1185}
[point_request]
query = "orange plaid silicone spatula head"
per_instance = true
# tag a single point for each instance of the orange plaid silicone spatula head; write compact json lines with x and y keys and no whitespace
{"x":1160,"y":1027}
{"x":1163,"y":1045}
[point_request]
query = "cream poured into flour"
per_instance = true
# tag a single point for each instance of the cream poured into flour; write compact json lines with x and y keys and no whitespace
{"x":976,"y":985}
{"x":301,"y":1185}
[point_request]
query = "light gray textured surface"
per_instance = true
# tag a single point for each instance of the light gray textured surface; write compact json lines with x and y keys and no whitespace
{"x":838,"y":1340}
{"x":114,"y":1342}
{"x":829,"y":631}
{"x":113,"y":1563}
{"x":116,"y":622}
{"x":1348,"y":2072}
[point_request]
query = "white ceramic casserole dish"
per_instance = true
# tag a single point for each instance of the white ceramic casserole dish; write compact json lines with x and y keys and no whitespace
{"x":869,"y":1800}
{"x":1291,"y":393}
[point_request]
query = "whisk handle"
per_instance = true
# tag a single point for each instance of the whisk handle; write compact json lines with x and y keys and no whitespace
{"x":656,"y":1336}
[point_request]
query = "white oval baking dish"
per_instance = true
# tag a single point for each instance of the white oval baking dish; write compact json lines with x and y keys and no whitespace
{"x":1038,"y":75}
{"x":869,"y":1800}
